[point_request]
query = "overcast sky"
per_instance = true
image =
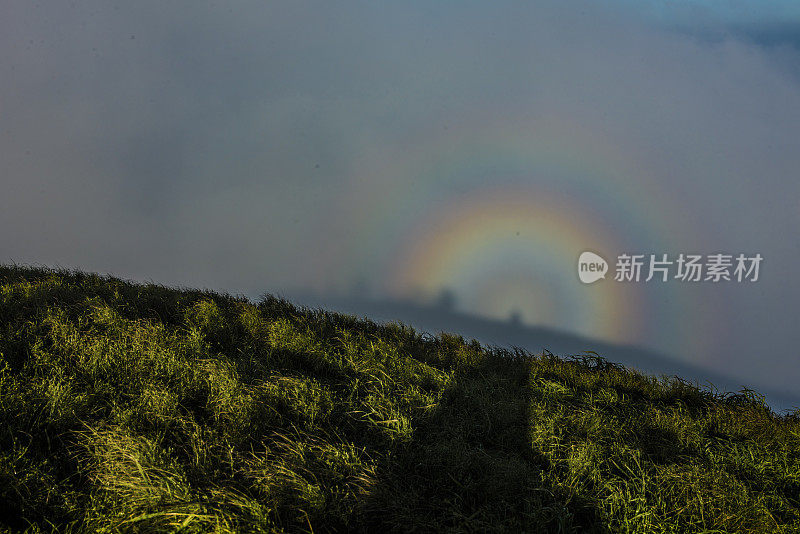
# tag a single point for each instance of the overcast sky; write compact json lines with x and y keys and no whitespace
{"x":409,"y":147}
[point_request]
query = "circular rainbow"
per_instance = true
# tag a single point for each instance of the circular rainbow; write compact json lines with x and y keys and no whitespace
{"x":499,"y":211}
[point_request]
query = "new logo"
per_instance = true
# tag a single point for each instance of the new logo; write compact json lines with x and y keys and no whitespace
{"x":591,"y":267}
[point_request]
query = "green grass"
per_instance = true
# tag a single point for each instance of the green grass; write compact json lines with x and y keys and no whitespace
{"x":141,"y":408}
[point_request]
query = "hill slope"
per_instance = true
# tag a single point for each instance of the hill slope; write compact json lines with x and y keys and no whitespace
{"x":143,"y":408}
{"x":508,"y":333}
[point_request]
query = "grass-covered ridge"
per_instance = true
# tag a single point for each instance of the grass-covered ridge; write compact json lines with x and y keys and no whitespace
{"x":128,"y":407}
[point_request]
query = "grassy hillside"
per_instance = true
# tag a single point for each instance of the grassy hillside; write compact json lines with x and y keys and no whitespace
{"x":127,"y":407}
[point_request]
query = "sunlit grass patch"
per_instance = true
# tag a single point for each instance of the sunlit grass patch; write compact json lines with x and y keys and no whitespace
{"x":141,"y":408}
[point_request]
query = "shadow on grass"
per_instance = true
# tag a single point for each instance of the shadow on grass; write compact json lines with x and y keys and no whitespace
{"x":471,"y":466}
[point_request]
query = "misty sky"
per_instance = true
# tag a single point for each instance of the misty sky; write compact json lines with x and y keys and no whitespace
{"x":409,"y":147}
